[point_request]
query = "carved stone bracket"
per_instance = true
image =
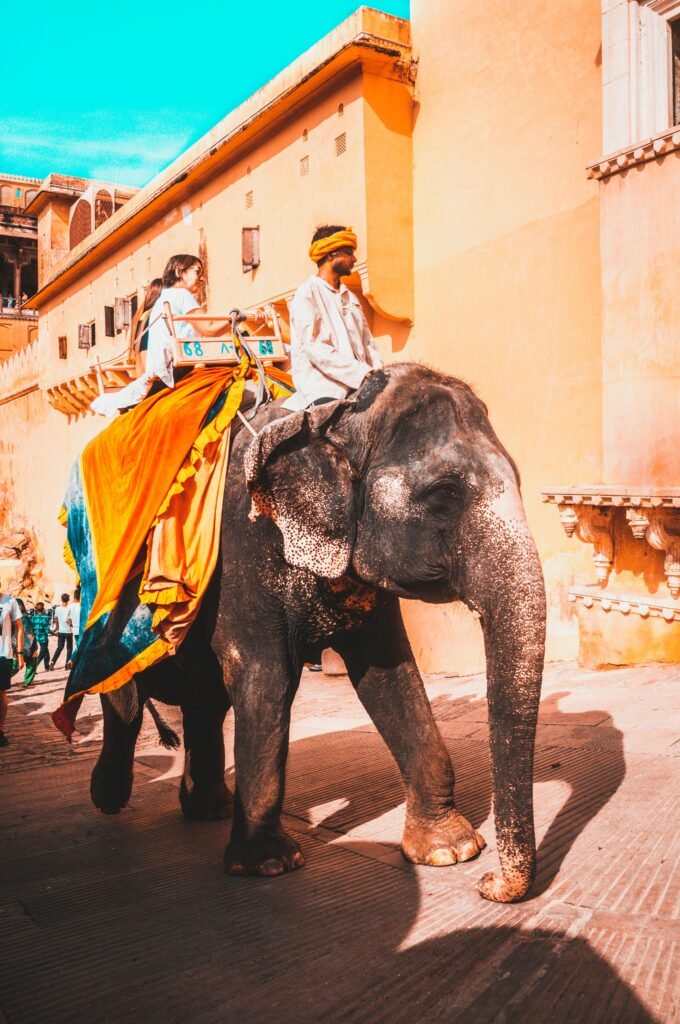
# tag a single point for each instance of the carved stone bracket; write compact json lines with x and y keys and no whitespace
{"x":663,"y":534}
{"x":595,"y":527}
{"x":592,"y":525}
{"x":653,"y":515}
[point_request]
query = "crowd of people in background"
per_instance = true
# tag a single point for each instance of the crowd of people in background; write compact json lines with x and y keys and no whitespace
{"x":25,"y":640}
{"x":41,"y":623}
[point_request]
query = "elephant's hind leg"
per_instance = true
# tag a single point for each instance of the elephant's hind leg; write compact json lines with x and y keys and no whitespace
{"x":203,"y":792}
{"x":111,"y":781}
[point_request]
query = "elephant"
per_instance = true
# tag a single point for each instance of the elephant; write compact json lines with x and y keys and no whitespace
{"x":332,"y":515}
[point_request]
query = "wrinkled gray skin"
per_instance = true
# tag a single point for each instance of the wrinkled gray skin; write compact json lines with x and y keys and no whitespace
{"x":403,"y":491}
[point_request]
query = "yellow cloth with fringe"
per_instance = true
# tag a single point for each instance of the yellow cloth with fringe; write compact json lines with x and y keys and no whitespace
{"x":154,"y":484}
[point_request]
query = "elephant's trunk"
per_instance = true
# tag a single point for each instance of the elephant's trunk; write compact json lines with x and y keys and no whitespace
{"x":505,"y":584}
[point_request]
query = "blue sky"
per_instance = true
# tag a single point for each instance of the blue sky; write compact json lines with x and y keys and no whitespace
{"x":117,"y":91}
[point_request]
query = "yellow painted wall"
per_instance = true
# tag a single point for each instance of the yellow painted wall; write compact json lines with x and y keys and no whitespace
{"x":507,"y":261}
{"x":641,"y":329}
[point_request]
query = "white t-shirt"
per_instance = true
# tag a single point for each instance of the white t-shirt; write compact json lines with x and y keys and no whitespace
{"x":74,"y":609}
{"x":10,"y":612}
{"x":160,"y":357}
{"x":61,"y":614}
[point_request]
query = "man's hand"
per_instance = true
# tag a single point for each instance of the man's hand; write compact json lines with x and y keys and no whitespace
{"x":21,"y":661}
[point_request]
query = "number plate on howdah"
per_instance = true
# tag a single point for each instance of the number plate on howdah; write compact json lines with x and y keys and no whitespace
{"x":189,"y":351}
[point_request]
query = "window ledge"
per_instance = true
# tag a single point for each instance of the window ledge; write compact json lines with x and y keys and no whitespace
{"x":639,"y":153}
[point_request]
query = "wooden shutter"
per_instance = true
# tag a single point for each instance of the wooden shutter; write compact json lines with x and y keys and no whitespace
{"x":86,"y":335}
{"x":250,"y":248}
{"x":63,"y":353}
{"x":122,"y":314}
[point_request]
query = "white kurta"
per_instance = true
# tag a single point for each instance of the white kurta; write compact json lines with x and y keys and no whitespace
{"x":332,"y":349}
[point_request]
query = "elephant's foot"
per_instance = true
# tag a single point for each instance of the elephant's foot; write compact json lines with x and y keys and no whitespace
{"x":206,"y":803}
{"x":110,"y":785}
{"x":440,"y":843}
{"x":507,"y":888}
{"x":265,"y":856}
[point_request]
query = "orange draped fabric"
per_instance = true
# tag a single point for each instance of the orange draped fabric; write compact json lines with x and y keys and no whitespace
{"x":136,"y":460}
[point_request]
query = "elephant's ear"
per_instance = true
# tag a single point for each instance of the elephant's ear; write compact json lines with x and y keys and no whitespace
{"x":304,"y":484}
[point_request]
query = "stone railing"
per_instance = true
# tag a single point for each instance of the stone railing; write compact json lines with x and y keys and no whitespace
{"x":651,"y":514}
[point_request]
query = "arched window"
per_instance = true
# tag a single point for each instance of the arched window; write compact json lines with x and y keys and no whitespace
{"x":6,"y":195}
{"x":81,"y":223}
{"x":31,"y":193}
{"x":103,"y":207}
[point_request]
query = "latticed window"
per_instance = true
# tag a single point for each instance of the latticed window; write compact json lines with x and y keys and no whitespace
{"x":30,"y":195}
{"x":341,"y":144}
{"x":304,"y":166}
{"x":103,"y":207}
{"x":81,"y":223}
{"x":63,"y":347}
{"x":6,"y":198}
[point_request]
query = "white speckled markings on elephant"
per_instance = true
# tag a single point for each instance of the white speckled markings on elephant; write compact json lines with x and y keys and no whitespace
{"x":392,"y":496}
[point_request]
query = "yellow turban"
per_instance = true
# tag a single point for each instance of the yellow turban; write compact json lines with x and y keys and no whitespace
{"x":340,"y":240}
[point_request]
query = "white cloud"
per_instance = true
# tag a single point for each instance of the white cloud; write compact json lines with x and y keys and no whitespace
{"x":106,"y":146}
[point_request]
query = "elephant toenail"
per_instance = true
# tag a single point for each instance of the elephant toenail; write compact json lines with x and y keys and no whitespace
{"x":468,"y":850}
{"x":443,"y":858}
{"x":298,"y":860}
{"x":271,"y":867}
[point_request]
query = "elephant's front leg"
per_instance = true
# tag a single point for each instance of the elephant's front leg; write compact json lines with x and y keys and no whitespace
{"x":382,"y":668}
{"x":259,"y":845}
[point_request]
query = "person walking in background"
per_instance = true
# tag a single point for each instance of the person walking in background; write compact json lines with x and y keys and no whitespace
{"x":30,"y":644}
{"x":11,"y":629}
{"x":41,"y":621}
{"x":62,"y":621}
{"x":74,"y":610}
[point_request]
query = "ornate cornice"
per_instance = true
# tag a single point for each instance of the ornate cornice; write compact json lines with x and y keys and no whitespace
{"x":652,"y":514}
{"x":639,"y":153}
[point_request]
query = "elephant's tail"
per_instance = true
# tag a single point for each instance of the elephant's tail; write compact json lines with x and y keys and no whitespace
{"x":168,"y":737}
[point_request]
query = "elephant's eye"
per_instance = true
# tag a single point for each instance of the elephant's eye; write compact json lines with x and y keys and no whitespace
{"x":446,"y":489}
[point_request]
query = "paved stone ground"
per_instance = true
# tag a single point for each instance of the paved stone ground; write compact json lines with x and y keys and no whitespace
{"x":130,"y":918}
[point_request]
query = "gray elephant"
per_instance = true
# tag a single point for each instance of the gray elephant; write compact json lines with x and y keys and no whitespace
{"x":331,"y":516}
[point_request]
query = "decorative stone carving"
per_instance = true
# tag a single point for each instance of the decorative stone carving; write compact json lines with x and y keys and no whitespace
{"x":663,"y":534}
{"x":595,"y":527}
{"x":627,"y":604}
{"x":653,"y":515}
{"x":639,"y":153}
{"x":638,"y":521}
{"x":592,"y":525}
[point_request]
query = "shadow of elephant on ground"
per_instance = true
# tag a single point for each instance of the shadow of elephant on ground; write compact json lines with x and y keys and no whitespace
{"x":347,"y":940}
{"x":346,"y":780}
